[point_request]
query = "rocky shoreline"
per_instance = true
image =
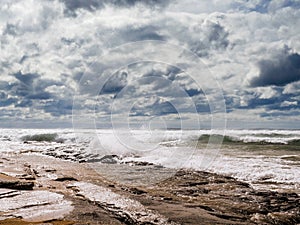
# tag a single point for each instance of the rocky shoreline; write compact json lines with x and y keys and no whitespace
{"x":36,"y":189}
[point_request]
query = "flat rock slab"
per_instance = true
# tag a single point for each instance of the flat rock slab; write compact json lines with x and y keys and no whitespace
{"x":33,"y":206}
{"x":125,"y":209}
{"x":14,"y":183}
{"x":6,"y":193}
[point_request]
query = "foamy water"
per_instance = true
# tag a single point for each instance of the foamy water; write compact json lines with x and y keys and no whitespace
{"x":267,"y":158}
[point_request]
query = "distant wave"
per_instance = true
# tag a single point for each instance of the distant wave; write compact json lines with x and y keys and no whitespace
{"x":49,"y":137}
{"x":170,"y":138}
{"x":265,"y":139}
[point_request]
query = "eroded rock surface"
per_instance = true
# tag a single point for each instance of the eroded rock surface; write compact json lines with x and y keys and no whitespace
{"x":187,"y":197}
{"x":14,"y":183}
{"x":125,"y":209}
{"x":33,"y":205}
{"x":229,"y":199}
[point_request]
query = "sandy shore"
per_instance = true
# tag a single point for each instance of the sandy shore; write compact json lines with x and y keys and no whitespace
{"x":36,"y":189}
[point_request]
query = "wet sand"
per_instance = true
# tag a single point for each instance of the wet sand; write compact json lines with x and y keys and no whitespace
{"x":77,"y":194}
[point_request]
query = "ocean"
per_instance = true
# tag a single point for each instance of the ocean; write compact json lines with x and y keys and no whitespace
{"x":266,"y":159}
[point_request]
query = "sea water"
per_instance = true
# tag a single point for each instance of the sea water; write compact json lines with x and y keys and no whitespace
{"x":264,"y":158}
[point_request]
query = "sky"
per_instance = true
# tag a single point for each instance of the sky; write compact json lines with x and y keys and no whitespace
{"x":108,"y":63}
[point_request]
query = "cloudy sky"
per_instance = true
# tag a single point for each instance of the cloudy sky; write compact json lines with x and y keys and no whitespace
{"x":56,"y":55}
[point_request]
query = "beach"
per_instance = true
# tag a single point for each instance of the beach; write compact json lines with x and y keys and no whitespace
{"x":149,"y":112}
{"x":42,"y":184}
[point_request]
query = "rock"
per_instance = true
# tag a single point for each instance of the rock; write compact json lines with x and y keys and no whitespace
{"x":230,"y":199}
{"x":30,"y":174}
{"x":191,"y":184}
{"x":50,"y":170}
{"x":231,"y":217}
{"x":158,"y":166}
{"x":265,"y":177}
{"x":65,"y":178}
{"x":138,"y":163}
{"x":8,"y":193}
{"x":34,"y":206}
{"x":5,"y":159}
{"x":283,"y":218}
{"x":205,"y":208}
{"x":109,"y":159}
{"x":27,"y":177}
{"x":137,"y":191}
{"x":14,"y":183}
{"x":258,"y":218}
{"x":127,"y":210}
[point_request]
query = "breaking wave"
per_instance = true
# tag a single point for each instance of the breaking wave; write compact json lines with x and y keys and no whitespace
{"x":270,"y":139}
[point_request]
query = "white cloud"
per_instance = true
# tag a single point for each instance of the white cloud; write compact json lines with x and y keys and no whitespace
{"x":231,"y":37}
{"x":287,"y":103}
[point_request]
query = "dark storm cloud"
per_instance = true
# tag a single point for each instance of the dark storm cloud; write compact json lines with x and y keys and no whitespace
{"x":214,"y":37}
{"x":264,"y":6}
{"x":77,"y":76}
{"x":26,"y":79}
{"x":279,"y":102}
{"x":168,"y":107}
{"x":155,"y":82}
{"x":29,"y":91}
{"x":156,"y":109}
{"x":280,"y":71}
{"x":5,"y":86}
{"x":40,"y":95}
{"x":143,"y":33}
{"x":202,"y":108}
{"x":166,"y":82}
{"x":58,"y":107}
{"x":160,"y":79}
{"x":261,"y":6}
{"x":73,"y":5}
{"x":133,"y":2}
{"x":91,"y":5}
{"x":31,"y":86}
{"x":164,"y":108}
{"x":270,"y":103}
{"x":143,"y":82}
{"x":217,"y":34}
{"x":115,"y":84}
{"x":292,"y":3}
{"x":284,"y":4}
{"x":170,"y":72}
{"x":26,"y":57}
{"x":7,"y":101}
{"x":10,"y":29}
{"x":193,"y":92}
{"x":173,"y":72}
{"x":24,"y":103}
